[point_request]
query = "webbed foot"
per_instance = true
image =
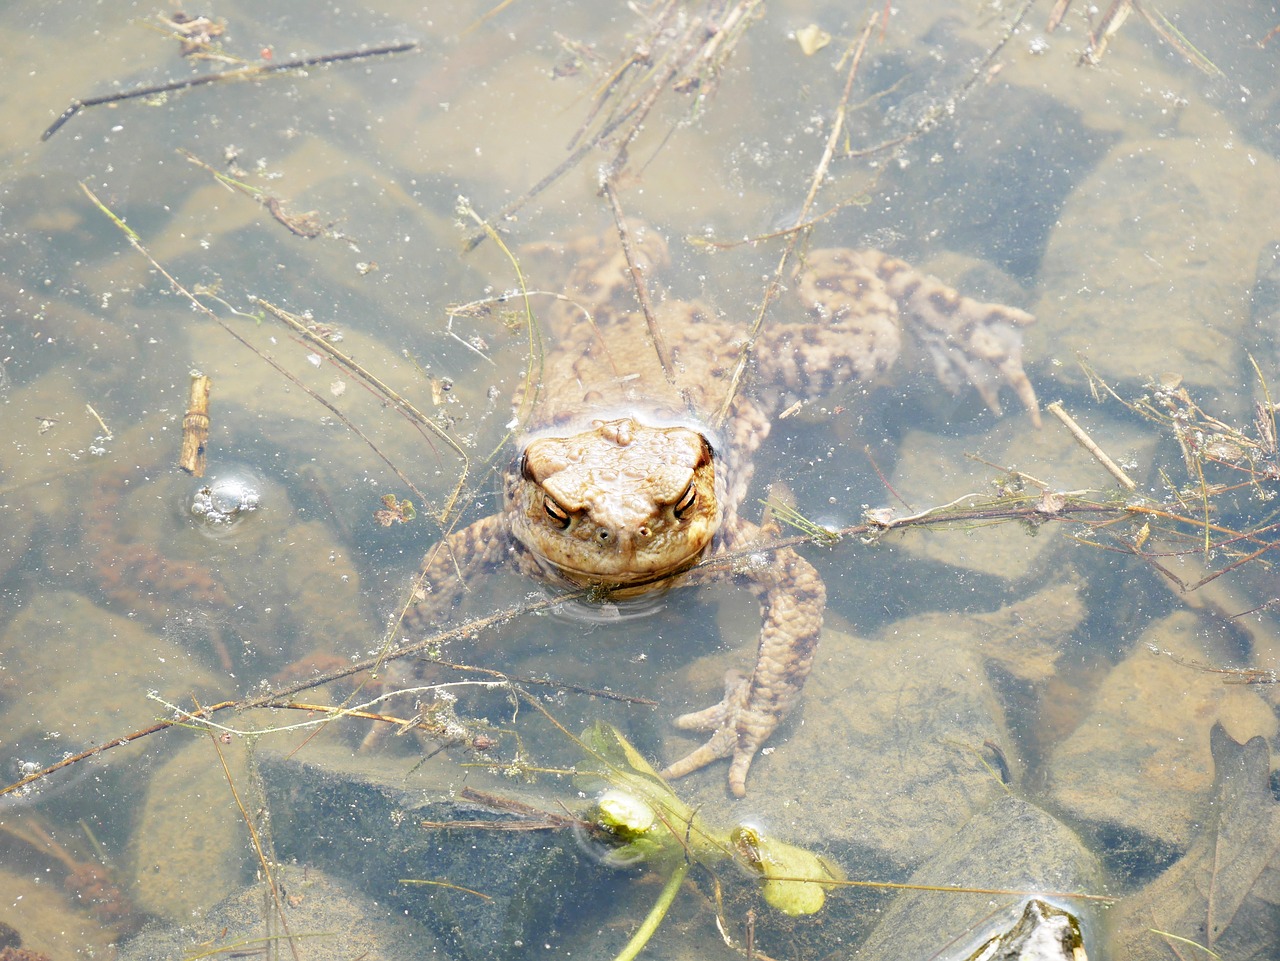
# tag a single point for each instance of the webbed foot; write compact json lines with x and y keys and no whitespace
{"x":737,"y":732}
{"x":977,"y":344}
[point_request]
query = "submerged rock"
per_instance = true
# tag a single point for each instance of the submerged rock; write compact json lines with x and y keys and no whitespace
{"x":1135,"y":772}
{"x":1224,"y":894}
{"x":1043,"y":933}
{"x":94,"y":670}
{"x":355,"y":816}
{"x":1150,"y":266}
{"x":330,"y":919}
{"x":189,"y":827}
{"x":889,"y":752}
{"x":1011,"y":846}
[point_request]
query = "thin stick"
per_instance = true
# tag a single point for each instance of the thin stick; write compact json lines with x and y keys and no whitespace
{"x":263,"y":862}
{"x":638,"y":282}
{"x":106,"y":431}
{"x":251,"y":72}
{"x":775,"y":284}
{"x":1085,"y":441}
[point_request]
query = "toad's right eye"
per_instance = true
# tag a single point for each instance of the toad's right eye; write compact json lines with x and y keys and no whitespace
{"x":557,"y":513}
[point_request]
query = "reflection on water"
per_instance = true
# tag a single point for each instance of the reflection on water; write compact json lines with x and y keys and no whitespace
{"x":226,"y":500}
{"x":985,"y":707}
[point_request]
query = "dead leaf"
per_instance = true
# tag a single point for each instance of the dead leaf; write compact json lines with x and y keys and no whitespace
{"x":812,"y":39}
{"x":1223,"y":894}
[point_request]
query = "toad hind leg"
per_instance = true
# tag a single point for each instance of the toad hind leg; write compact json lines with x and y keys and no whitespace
{"x":792,"y":600}
{"x":860,"y":300}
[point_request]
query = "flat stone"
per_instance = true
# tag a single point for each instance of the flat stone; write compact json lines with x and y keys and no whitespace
{"x":1151,"y":264}
{"x":331,"y":919}
{"x":190,"y":827}
{"x":1136,"y":771}
{"x":356,"y":817}
{"x":85,"y":673}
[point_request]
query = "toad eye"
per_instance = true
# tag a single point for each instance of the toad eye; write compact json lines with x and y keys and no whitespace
{"x":558,"y":514}
{"x":686,"y":501}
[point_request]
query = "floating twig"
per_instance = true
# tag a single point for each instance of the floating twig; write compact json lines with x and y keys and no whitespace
{"x":106,"y":431}
{"x":251,"y":72}
{"x":195,"y":425}
{"x":1085,"y":441}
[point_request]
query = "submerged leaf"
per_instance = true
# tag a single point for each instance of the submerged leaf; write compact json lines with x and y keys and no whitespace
{"x":1224,"y":892}
{"x":812,"y":39}
{"x":638,"y":819}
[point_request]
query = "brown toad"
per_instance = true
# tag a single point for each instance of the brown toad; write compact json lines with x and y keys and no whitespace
{"x":620,"y":483}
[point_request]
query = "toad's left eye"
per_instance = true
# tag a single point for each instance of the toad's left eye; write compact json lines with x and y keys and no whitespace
{"x":686,"y":501}
{"x":558,"y":514}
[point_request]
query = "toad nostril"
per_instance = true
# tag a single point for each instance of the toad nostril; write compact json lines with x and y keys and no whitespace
{"x":604,"y":536}
{"x":643,"y":532}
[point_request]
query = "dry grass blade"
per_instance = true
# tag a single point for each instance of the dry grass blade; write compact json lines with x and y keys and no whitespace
{"x":263,"y":861}
{"x":397,"y":401}
{"x":1174,"y":37}
{"x":638,"y":283}
{"x":447,"y":884}
{"x":793,"y":518}
{"x":683,"y":50}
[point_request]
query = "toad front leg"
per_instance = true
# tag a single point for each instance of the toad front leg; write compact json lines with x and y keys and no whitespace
{"x":792,"y":598}
{"x":463,"y":558}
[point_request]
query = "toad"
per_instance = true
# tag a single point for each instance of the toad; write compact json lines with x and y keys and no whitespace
{"x":620,"y":483}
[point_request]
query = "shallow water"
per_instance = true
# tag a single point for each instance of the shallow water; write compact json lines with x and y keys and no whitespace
{"x":1125,"y":204}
